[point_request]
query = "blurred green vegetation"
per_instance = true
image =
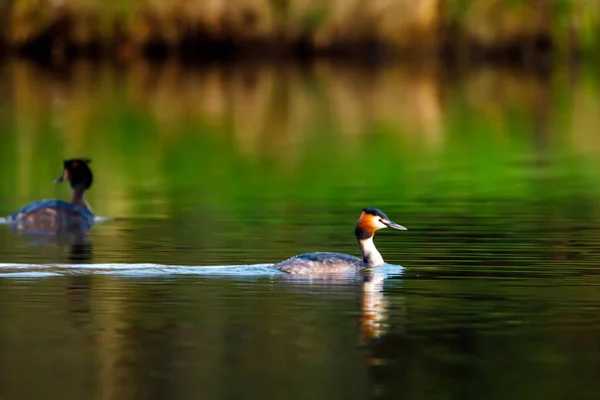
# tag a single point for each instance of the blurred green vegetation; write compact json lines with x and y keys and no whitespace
{"x":424,"y":25}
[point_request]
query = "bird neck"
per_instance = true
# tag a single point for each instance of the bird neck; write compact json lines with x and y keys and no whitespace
{"x":78,"y":198}
{"x":370,"y":255}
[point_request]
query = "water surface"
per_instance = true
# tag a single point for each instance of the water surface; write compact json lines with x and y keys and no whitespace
{"x":210,"y":174}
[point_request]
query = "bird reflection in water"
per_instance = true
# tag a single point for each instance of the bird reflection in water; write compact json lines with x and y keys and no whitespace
{"x":78,"y":243}
{"x":373,"y":306}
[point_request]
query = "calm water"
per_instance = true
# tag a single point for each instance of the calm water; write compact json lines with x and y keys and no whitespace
{"x":210,"y":174}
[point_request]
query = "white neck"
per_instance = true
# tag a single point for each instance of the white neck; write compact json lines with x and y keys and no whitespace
{"x":370,"y":255}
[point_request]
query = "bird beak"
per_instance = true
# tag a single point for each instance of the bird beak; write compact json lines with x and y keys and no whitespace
{"x":60,"y":178}
{"x":393,"y":225}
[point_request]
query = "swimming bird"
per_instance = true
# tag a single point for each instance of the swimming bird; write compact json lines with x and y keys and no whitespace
{"x":52,"y":216}
{"x":370,"y":221}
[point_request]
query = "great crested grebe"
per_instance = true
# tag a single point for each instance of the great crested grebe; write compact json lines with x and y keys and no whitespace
{"x":56,"y":215}
{"x":371,"y":220}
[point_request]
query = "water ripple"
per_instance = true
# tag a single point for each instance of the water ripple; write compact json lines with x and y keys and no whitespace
{"x":15,"y":270}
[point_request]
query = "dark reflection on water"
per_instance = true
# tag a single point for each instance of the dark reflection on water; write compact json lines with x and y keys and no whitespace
{"x":494,"y":172}
{"x":186,"y":337}
{"x":182,"y":337}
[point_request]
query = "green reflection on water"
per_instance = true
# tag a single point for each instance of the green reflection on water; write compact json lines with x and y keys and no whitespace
{"x":250,"y":163}
{"x":494,"y":172}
